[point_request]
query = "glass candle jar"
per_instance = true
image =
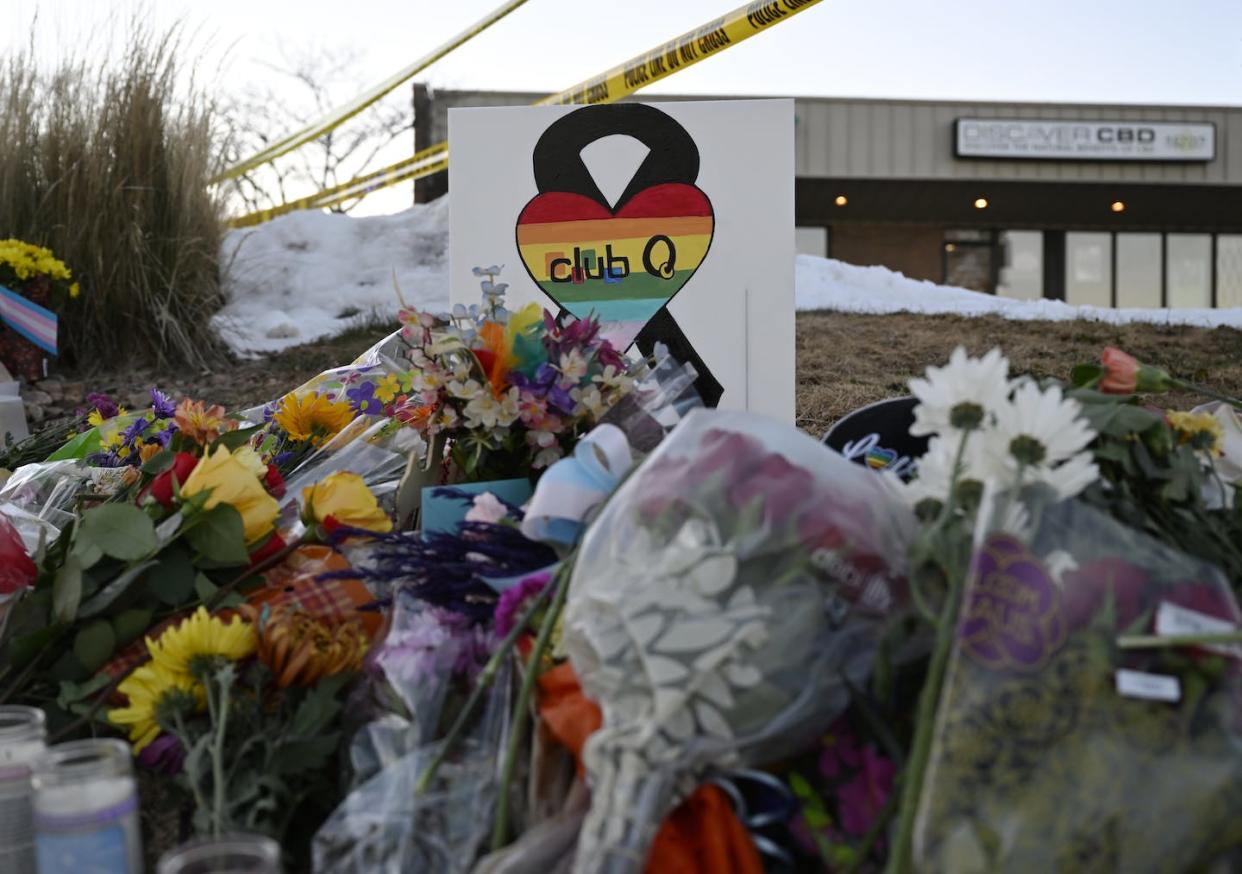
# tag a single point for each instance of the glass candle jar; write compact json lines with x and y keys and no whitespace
{"x":227,"y":854}
{"x":22,"y":740}
{"x":86,"y":809}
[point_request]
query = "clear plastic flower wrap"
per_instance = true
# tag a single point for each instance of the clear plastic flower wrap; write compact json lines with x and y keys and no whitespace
{"x":663,"y":395}
{"x":386,"y":827}
{"x":720,"y":605}
{"x":1066,"y":739}
{"x":39,"y":498}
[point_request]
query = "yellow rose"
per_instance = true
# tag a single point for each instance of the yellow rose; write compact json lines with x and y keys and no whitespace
{"x":345,"y":497}
{"x":232,"y":482}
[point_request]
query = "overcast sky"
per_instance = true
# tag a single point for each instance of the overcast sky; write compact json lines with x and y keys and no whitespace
{"x":1133,"y":51}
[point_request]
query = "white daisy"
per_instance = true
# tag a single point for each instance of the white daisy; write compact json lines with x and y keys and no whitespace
{"x":1041,"y":436}
{"x":961,"y":394}
{"x":935,"y":471}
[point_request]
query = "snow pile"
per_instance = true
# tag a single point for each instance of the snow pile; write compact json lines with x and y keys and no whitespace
{"x":309,"y":275}
{"x":825,"y":284}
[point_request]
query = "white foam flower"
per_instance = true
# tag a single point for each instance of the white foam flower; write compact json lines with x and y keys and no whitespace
{"x":964,"y":389}
{"x":1040,"y":436}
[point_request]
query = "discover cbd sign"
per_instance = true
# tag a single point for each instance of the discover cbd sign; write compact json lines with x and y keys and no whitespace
{"x":1084,"y":140}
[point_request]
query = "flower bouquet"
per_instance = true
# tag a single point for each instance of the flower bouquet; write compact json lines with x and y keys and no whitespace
{"x":33,"y":283}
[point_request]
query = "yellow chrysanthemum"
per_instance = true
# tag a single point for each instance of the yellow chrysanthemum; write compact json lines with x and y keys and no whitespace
{"x":1199,"y":429}
{"x":75,"y":289}
{"x":146,"y":689}
{"x":202,"y":636}
{"x":312,"y":417}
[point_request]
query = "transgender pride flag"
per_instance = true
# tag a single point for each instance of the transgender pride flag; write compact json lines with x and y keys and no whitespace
{"x":35,"y":323}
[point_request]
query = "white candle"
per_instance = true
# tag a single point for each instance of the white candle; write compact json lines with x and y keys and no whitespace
{"x":22,"y":733}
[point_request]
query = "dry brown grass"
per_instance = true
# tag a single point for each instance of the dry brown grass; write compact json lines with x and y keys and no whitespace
{"x":106,"y":161}
{"x":846,"y":361}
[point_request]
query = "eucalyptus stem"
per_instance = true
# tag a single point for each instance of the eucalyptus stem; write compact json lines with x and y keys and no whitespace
{"x":500,"y":828}
{"x":481,"y":683}
{"x":929,"y":699}
{"x":217,"y":761}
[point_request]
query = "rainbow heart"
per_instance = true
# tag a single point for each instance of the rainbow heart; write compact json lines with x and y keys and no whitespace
{"x":621,"y":266}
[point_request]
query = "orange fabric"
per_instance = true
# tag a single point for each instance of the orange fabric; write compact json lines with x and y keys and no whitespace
{"x":702,"y":836}
{"x":293,"y":583}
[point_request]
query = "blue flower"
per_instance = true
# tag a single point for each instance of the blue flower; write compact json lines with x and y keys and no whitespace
{"x":136,"y":430}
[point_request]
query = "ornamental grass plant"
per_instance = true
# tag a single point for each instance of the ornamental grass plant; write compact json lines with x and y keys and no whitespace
{"x":104,"y":158}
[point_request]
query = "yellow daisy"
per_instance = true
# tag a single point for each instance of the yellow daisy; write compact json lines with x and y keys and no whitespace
{"x":1201,"y":430}
{"x":201,"y":636}
{"x":147,"y":688}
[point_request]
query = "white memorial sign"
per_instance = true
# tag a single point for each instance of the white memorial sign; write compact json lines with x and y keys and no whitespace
{"x":668,"y":221}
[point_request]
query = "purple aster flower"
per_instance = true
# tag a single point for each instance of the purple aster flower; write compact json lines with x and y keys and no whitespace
{"x":269,"y":410}
{"x":136,"y":430}
{"x":513,"y":601}
{"x":429,"y":642}
{"x":362,"y":398}
{"x":163,"y":406}
{"x":280,"y":459}
{"x":164,"y":436}
{"x":100,"y":401}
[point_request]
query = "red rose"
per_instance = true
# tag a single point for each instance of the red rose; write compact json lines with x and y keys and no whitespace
{"x":270,"y":547}
{"x":1086,"y":588}
{"x":161,"y":488}
{"x":275,"y":482}
{"x":17,"y":569}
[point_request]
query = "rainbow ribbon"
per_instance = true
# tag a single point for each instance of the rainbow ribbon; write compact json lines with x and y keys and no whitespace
{"x":37,"y":324}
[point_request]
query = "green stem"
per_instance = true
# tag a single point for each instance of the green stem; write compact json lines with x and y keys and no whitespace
{"x":484,"y":680}
{"x":500,"y":830}
{"x":1161,"y":641}
{"x":1207,"y":392}
{"x":914,"y":773}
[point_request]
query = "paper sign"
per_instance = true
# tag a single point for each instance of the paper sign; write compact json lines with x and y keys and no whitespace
{"x":444,"y":513}
{"x":1150,"y":687}
{"x":1173,"y":620}
{"x":637,"y":212}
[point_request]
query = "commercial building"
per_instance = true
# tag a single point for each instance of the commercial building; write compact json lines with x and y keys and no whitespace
{"x":1111,"y":205}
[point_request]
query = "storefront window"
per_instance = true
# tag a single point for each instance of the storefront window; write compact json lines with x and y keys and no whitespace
{"x":1022,"y":265}
{"x":811,"y":241}
{"x":1229,"y":270}
{"x":1138,"y":270}
{"x":1088,"y":269}
{"x":1190,"y":270}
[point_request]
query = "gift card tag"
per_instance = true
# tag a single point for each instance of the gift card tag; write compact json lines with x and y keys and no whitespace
{"x":1173,"y":620}
{"x":1150,"y":687}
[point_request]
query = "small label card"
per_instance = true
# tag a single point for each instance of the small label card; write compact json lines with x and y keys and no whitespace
{"x":1173,"y":620}
{"x":1152,"y":687}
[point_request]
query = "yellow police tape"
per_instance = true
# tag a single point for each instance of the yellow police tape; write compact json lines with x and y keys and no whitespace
{"x":342,"y":114}
{"x":622,"y":80}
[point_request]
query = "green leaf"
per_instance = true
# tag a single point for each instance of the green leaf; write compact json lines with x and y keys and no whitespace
{"x":172,"y":581}
{"x":220,"y":535}
{"x":1087,"y":374}
{"x":307,"y":754}
{"x":95,"y":644}
{"x":79,"y":447}
{"x":88,"y":552}
{"x":72,"y":695}
{"x":22,"y":649}
{"x":320,"y":706}
{"x":204,"y":588}
{"x":67,"y":590}
{"x":120,"y":530}
{"x":129,"y":625}
{"x":114,"y":589}
{"x":158,"y":463}
{"x":67,"y":667}
{"x":235,"y":439}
